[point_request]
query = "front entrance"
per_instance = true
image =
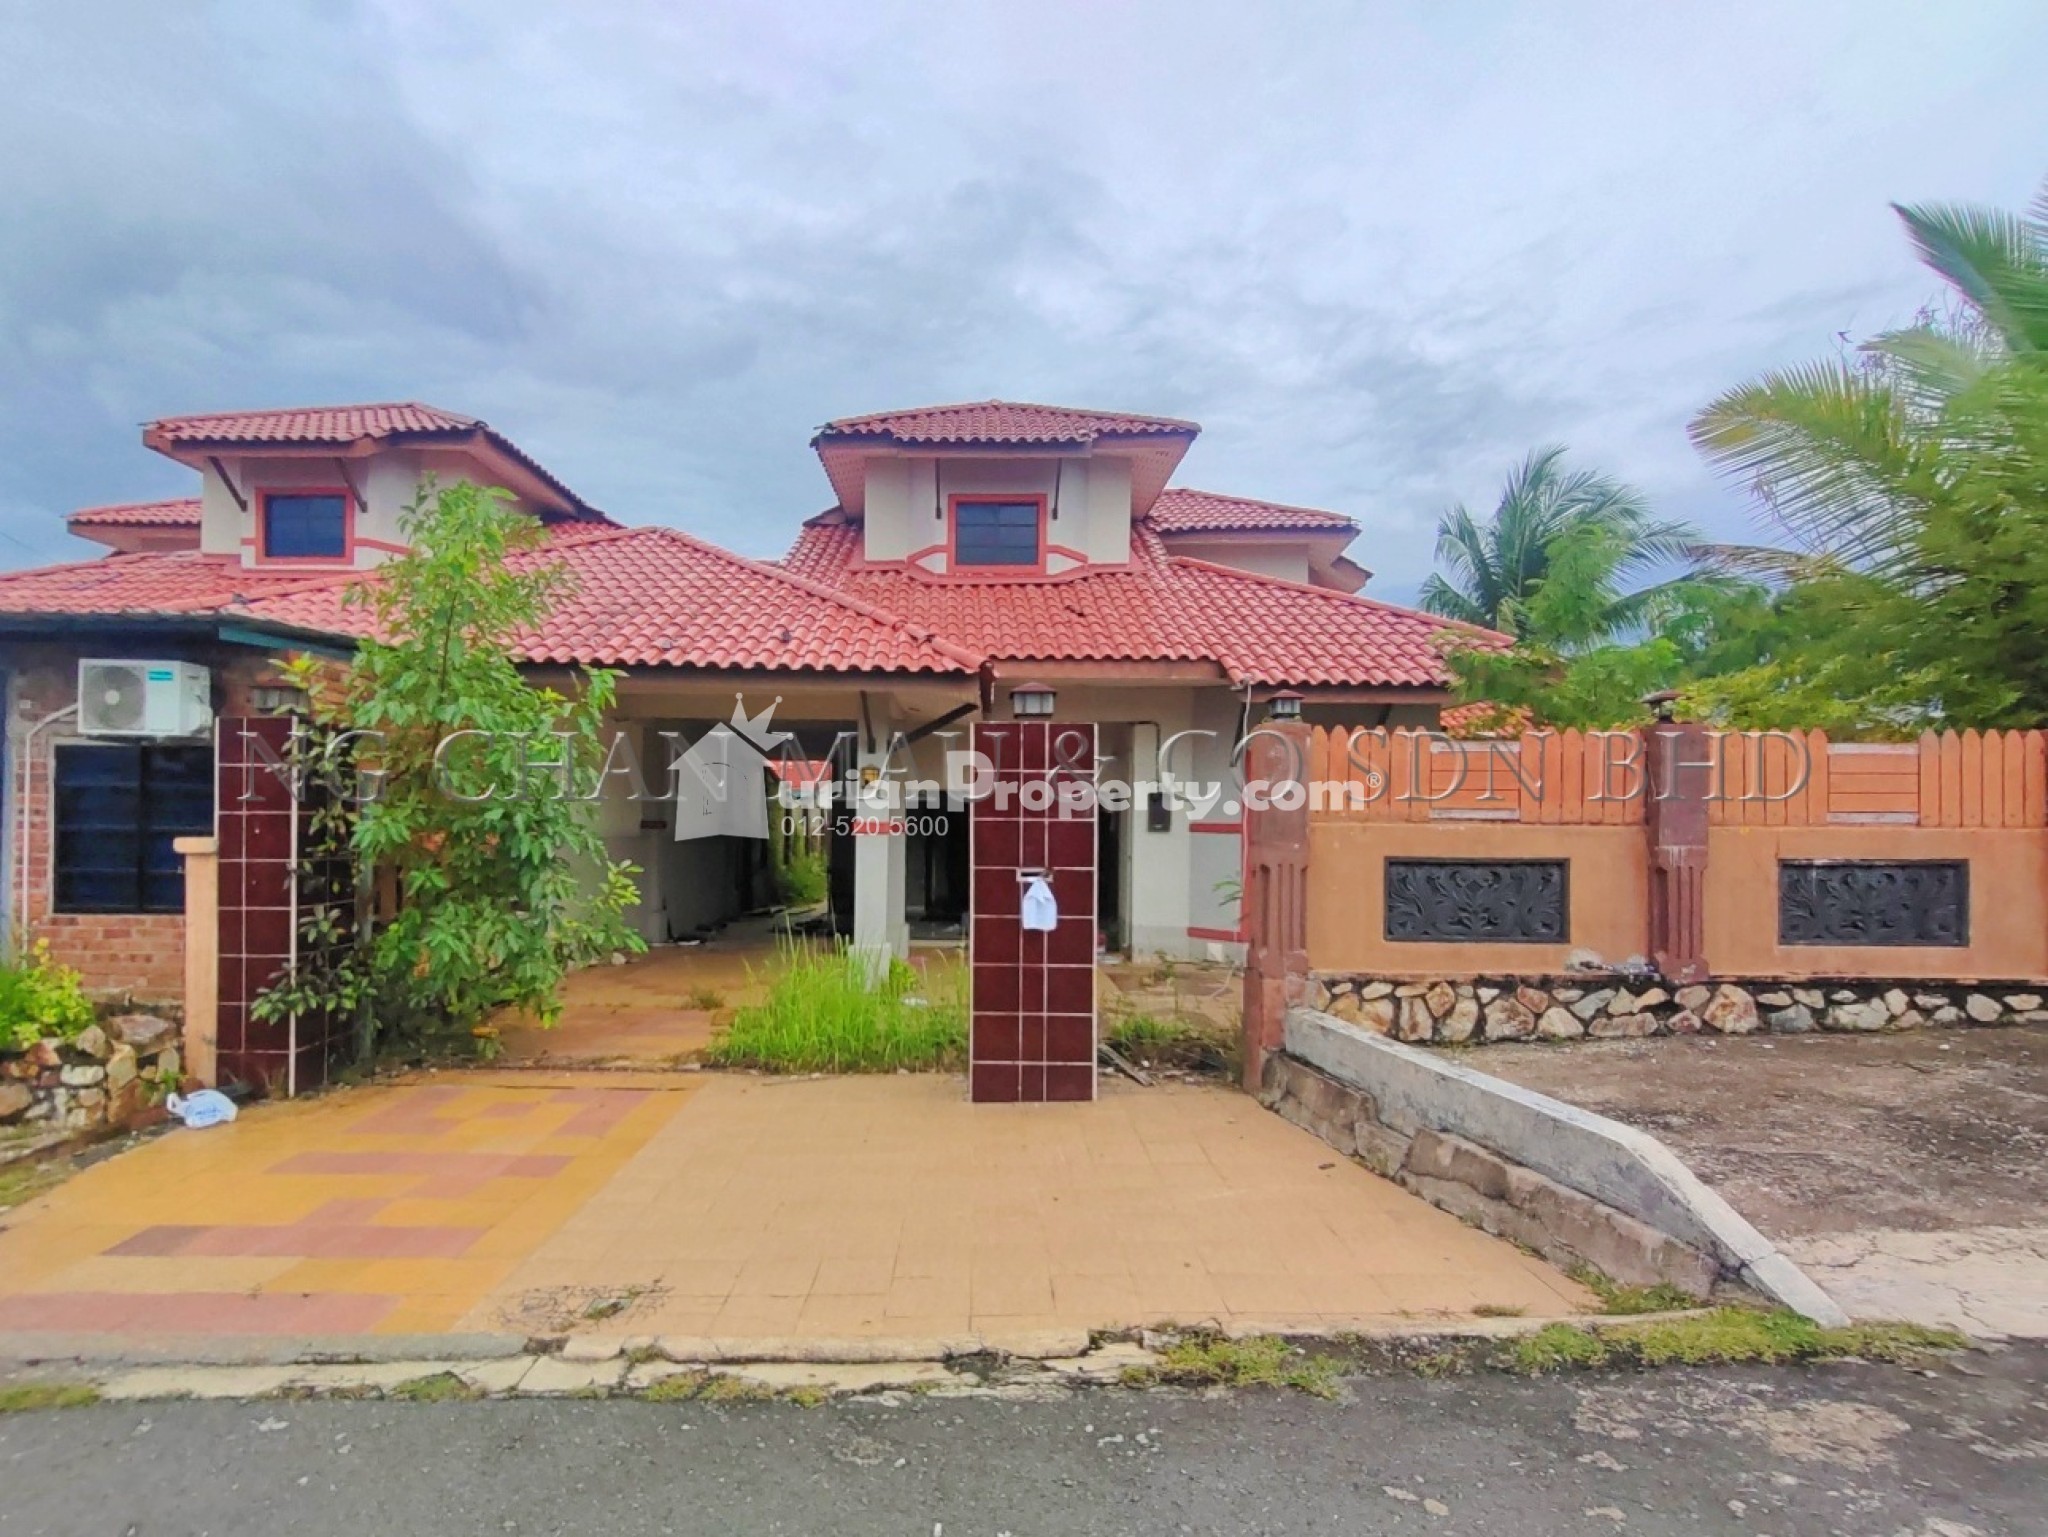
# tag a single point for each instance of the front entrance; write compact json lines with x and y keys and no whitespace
{"x":1033,"y":990}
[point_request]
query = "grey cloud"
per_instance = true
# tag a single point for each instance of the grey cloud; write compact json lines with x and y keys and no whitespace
{"x":659,"y":244}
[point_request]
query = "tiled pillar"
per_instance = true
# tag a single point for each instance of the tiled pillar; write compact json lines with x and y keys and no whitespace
{"x":202,"y":957}
{"x":1680,"y":779}
{"x":1033,"y":1014}
{"x":1275,"y":897}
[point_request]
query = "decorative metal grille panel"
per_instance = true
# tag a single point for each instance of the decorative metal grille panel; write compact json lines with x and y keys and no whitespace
{"x":1874,"y":902}
{"x":1511,"y":901}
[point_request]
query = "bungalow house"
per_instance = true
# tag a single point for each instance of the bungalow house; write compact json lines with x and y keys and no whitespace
{"x":969,"y":549}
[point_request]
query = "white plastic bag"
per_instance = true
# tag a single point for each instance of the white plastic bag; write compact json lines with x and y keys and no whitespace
{"x":202,"y":1107}
{"x":1041,"y":911}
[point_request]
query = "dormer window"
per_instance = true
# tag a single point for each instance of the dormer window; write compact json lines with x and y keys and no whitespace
{"x":304,"y":525}
{"x":1001,"y":532}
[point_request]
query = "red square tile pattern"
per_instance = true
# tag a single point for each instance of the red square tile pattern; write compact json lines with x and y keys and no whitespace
{"x":1033,"y":1035}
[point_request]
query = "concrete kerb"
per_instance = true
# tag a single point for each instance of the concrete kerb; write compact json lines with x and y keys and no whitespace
{"x":1102,"y":1364}
{"x":1414,"y":1090}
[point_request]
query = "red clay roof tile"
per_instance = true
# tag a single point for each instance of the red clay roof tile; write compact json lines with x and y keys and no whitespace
{"x":658,"y":597}
{"x":1000,"y":421}
{"x":1181,"y":510}
{"x":180,"y":512}
{"x":1256,"y":629}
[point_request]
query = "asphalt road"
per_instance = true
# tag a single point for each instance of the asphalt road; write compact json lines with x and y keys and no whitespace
{"x":1783,"y":1453}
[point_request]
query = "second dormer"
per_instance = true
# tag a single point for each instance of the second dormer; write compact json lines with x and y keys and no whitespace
{"x":996,"y":489}
{"x":328,"y":487}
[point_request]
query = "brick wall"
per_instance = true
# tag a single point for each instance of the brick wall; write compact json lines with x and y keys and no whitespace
{"x":141,"y":955}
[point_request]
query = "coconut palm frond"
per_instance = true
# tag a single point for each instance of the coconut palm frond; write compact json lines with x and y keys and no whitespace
{"x":1996,"y":260}
{"x":1828,"y":450}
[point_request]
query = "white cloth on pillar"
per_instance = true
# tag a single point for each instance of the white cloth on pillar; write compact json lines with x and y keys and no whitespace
{"x":1041,"y":911}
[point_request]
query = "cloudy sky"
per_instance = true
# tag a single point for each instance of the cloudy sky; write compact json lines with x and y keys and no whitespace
{"x":1378,"y":250}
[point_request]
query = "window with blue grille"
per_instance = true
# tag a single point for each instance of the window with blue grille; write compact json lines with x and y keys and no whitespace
{"x":118,"y":806}
{"x":311,"y":525}
{"x":994,"y":533}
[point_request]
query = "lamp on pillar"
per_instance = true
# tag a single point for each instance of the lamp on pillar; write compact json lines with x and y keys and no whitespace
{"x":1662,"y":705}
{"x":1032,"y":701}
{"x":1284,"y":706}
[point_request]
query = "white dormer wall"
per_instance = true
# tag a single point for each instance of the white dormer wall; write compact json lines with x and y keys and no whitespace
{"x":1267,"y":558}
{"x":1089,"y":504}
{"x":388,"y":482}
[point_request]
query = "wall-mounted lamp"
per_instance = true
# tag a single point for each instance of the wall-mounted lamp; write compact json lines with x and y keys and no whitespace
{"x":1662,"y":705}
{"x":1032,"y":701}
{"x":1284,"y":706}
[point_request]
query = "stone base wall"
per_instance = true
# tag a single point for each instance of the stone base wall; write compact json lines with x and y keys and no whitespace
{"x":1480,"y":1186}
{"x":1470,"y":1011}
{"x":107,"y":1076}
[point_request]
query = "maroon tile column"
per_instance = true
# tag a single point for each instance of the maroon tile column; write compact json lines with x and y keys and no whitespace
{"x":267,"y":887}
{"x":1679,"y":780}
{"x":1032,"y":1025}
{"x":1274,"y":902}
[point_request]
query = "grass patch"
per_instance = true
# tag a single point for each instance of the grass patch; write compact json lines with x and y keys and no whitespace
{"x":26,"y":1396}
{"x":1197,"y":1045}
{"x":1619,"y":1300}
{"x":1718,"y":1337}
{"x":734,"y":1390}
{"x":808,"y":1397}
{"x":435,"y":1388}
{"x":676,"y":1387}
{"x":1263,"y":1361}
{"x":822,"y":1015}
{"x":26,"y":1178}
{"x":706,"y":998}
{"x":1497,"y":1310}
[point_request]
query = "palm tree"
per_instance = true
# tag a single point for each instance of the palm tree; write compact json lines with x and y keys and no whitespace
{"x":1492,"y":571}
{"x":1847,"y":454}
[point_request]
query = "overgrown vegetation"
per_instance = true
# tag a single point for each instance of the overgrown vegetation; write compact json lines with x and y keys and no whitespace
{"x":39,"y":1000}
{"x":824,"y":1014}
{"x":1618,"y":1299}
{"x":435,"y":1388}
{"x":1193,"y":1044}
{"x":24,"y":1179}
{"x":1206,"y":1359}
{"x":23,"y":1397}
{"x":800,"y":877}
{"x":1717,"y":1337}
{"x":480,"y":775}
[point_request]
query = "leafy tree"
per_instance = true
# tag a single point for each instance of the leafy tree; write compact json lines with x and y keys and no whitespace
{"x":1493,"y":572}
{"x":1909,"y":483}
{"x":484,"y":836}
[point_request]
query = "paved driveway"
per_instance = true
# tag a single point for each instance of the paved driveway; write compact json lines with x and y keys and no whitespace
{"x":744,"y":1210}
{"x":1903,"y":1172}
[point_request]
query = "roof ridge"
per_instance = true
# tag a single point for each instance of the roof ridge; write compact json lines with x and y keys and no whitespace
{"x":347,"y":405}
{"x":1098,"y":413}
{"x":818,"y":589}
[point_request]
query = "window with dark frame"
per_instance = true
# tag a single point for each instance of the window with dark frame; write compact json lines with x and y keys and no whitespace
{"x":118,"y":806}
{"x":995,"y":533}
{"x":310,"y":525}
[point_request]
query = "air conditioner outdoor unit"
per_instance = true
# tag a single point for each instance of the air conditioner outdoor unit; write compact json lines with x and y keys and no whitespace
{"x":144,"y":699}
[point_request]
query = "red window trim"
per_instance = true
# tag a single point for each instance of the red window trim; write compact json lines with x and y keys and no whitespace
{"x":347,"y":557}
{"x":954,"y":500}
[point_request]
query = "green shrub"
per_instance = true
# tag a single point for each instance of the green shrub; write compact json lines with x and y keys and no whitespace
{"x":801,"y":877}
{"x":39,"y":999}
{"x":823,"y":1015}
{"x":1196,"y":1044}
